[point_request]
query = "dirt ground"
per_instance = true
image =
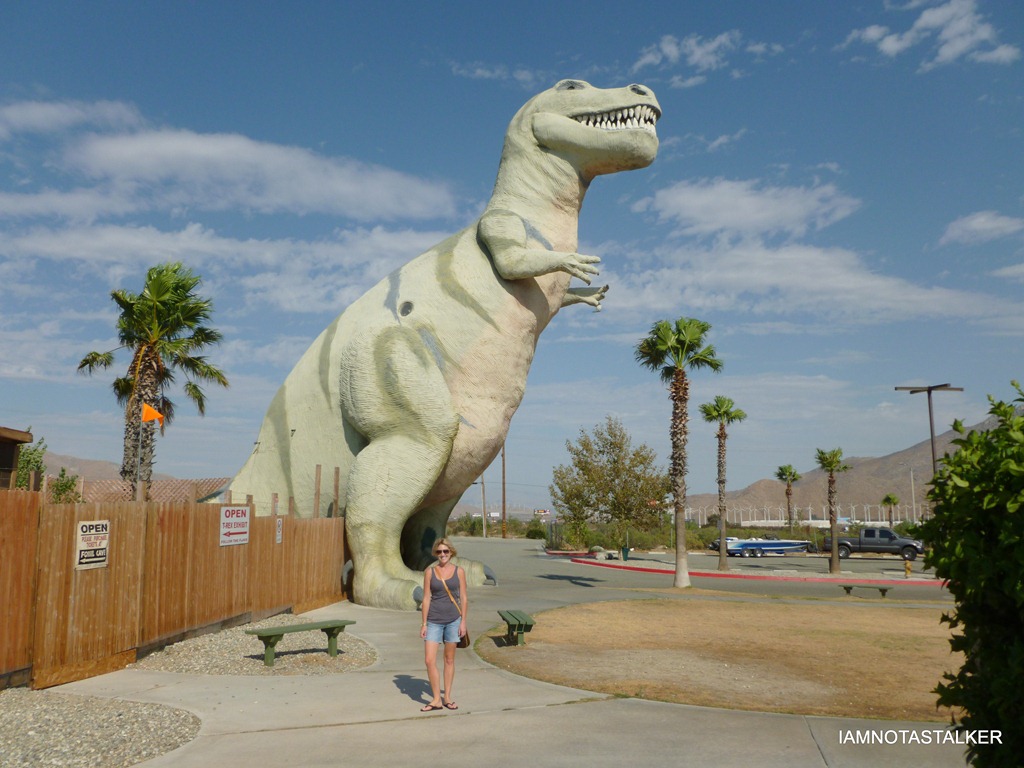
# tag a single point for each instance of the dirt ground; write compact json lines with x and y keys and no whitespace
{"x":808,"y":657}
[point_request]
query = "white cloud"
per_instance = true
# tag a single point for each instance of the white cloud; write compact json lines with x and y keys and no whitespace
{"x":748,"y":208}
{"x":723,"y":140}
{"x":758,"y":280}
{"x":765,"y":49}
{"x":687,"y":82}
{"x":480,"y":71}
{"x":131,"y":168}
{"x":1016,"y":272}
{"x":177,"y":168}
{"x":697,"y":52}
{"x":709,"y":54}
{"x":84,"y":204}
{"x":54,"y":117}
{"x":529,"y":79}
{"x":981,"y":227}
{"x":292,"y":275}
{"x":955,"y":30}
{"x":1003,"y":54}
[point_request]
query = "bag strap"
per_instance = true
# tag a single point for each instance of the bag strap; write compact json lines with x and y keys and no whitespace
{"x":438,"y":575}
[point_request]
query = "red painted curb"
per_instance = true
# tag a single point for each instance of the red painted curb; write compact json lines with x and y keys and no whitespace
{"x":755,"y":577}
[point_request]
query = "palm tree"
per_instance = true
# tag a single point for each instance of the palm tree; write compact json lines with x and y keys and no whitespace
{"x":787,"y":474}
{"x":723,"y":410}
{"x":891,"y":500}
{"x":164,"y":329}
{"x":832,"y":462}
{"x":672,"y":349}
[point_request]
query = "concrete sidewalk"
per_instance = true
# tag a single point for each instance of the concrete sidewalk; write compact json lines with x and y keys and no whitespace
{"x":371,"y":717}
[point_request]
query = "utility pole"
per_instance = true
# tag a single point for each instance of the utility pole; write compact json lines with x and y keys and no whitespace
{"x":483,"y":502}
{"x":504,"y":519}
{"x":931,"y":416}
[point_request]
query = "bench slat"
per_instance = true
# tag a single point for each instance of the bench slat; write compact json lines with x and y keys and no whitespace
{"x":287,"y":628}
{"x":518,"y":622}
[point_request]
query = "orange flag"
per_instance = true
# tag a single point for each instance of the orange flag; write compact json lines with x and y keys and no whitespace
{"x":151,"y":414}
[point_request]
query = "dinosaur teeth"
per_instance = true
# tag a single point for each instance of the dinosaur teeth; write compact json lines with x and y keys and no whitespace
{"x":640,"y":117}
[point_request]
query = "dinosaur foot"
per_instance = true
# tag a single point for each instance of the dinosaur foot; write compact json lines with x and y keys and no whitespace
{"x":387,"y":592}
{"x":477,"y":574}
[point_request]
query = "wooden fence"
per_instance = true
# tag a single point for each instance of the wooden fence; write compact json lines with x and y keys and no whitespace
{"x":167,"y":577}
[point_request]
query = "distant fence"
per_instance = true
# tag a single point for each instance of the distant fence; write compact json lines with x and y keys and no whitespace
{"x":166,"y":576}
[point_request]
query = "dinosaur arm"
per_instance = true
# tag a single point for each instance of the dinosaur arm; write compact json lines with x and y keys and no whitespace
{"x":591,"y":296}
{"x":504,"y":235}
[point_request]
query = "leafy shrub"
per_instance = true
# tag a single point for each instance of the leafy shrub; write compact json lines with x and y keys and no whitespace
{"x":535,"y":529}
{"x":64,"y":488}
{"x":977,"y":544}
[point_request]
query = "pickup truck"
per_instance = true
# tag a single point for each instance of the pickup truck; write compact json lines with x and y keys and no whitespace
{"x":881,"y":540}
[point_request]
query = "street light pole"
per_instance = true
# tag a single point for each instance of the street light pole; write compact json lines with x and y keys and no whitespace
{"x":931,"y":416}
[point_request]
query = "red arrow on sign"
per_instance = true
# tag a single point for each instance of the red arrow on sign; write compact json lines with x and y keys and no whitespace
{"x":235,"y":533}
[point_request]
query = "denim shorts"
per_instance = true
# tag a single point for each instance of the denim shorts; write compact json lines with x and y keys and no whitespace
{"x":448,"y":633}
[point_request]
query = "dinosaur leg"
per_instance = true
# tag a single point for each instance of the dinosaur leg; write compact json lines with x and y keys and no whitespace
{"x":426,"y":527}
{"x":423,"y":529}
{"x":395,"y":395}
{"x":389,"y":477}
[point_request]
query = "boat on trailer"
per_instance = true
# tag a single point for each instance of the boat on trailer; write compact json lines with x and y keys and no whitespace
{"x":762,"y":547}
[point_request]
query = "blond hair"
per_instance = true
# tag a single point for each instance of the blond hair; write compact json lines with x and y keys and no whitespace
{"x":445,"y":542}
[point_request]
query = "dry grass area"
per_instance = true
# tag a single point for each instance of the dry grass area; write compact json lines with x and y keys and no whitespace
{"x":804,"y":658}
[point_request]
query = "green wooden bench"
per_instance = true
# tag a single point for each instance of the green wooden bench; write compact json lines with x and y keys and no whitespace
{"x":271,"y":635}
{"x":850,"y":587}
{"x":518,"y":622}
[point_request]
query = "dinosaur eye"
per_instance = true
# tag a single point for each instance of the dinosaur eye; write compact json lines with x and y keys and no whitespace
{"x":570,"y":85}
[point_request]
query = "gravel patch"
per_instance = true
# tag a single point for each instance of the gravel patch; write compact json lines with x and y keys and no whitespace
{"x":49,"y":728}
{"x":232,"y":652}
{"x":44,"y":728}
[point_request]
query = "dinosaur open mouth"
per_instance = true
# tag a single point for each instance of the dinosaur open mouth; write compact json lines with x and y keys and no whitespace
{"x":643,"y":117}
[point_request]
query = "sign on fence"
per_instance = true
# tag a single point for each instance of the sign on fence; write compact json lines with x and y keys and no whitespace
{"x":234,"y":526}
{"x":92,"y":545}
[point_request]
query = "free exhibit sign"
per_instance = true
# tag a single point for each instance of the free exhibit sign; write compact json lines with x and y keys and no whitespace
{"x":234,"y":525}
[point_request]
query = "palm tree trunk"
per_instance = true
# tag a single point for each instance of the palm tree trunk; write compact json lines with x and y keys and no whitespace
{"x":130,"y":456}
{"x":139,"y":443}
{"x":723,"y":548}
{"x":789,"y":506}
{"x":680,"y":395}
{"x":833,"y":524}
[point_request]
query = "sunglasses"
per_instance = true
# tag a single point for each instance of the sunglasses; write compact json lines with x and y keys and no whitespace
{"x":443,"y":552}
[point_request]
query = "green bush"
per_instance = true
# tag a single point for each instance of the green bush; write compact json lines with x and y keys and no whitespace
{"x":467,"y":525}
{"x":64,"y":488}
{"x":976,"y":536}
{"x":535,"y":529}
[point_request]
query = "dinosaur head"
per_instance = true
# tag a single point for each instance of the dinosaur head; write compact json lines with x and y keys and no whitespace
{"x":597,"y":130}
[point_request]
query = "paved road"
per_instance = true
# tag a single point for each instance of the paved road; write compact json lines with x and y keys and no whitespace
{"x":371,"y":717}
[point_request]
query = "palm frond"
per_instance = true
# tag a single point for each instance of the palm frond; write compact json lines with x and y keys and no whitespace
{"x":95,"y":360}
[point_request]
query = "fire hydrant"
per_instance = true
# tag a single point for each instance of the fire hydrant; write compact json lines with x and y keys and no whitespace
{"x":907,"y":568}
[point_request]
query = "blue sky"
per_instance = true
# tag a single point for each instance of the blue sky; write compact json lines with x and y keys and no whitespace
{"x":839,"y":192}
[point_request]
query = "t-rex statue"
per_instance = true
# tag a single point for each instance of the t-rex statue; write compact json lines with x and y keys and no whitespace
{"x":411,"y":389}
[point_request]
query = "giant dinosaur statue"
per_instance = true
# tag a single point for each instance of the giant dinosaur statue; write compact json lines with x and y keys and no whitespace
{"x":411,"y":389}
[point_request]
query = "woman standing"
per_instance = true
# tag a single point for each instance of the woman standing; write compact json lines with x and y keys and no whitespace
{"x":444,"y":620}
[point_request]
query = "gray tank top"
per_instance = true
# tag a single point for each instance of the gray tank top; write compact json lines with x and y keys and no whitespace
{"x":442,"y":610}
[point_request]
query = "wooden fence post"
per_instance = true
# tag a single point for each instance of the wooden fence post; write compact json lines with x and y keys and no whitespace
{"x":337,"y":487}
{"x":316,"y":492}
